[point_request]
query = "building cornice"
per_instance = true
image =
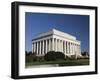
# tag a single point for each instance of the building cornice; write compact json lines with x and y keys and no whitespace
{"x":55,"y":32}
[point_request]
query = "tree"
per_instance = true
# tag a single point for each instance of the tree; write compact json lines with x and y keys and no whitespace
{"x":30,"y":57}
{"x":26,"y":53}
{"x":85,"y":53}
{"x":29,"y":52}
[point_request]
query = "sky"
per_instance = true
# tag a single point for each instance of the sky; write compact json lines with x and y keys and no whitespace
{"x":76,"y":25}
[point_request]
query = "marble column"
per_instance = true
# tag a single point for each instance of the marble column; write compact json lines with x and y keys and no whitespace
{"x":56,"y":44}
{"x":79,"y":48}
{"x":75,"y":48}
{"x":61,"y":45}
{"x":69,"y":48}
{"x":72,"y":48}
{"x":35,"y":47}
{"x":49,"y":45}
{"x":43,"y":47}
{"x":52,"y":44}
{"x":39,"y":47}
{"x":32,"y":48}
{"x":46,"y":46}
{"x":65,"y":47}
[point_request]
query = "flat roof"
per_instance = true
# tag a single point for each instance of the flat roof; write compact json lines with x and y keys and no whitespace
{"x":56,"y":32}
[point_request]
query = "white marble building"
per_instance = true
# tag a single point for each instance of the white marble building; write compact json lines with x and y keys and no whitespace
{"x":55,"y":40}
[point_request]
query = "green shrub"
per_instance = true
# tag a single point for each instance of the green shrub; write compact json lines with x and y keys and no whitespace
{"x":30,"y":58}
{"x":53,"y":56}
{"x":34,"y":58}
{"x":67,"y":58}
{"x":40,"y":59}
{"x":73,"y":57}
{"x":49,"y":56}
{"x":60,"y":56}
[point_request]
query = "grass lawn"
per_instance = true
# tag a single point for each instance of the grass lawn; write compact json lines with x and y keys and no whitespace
{"x":61,"y":62}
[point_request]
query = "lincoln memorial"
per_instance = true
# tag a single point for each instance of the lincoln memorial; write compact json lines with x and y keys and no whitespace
{"x":55,"y":40}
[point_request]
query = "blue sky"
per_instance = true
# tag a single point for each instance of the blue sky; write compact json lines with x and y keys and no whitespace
{"x":76,"y":25}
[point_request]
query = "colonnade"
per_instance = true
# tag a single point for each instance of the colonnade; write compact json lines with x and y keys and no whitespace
{"x":53,"y":44}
